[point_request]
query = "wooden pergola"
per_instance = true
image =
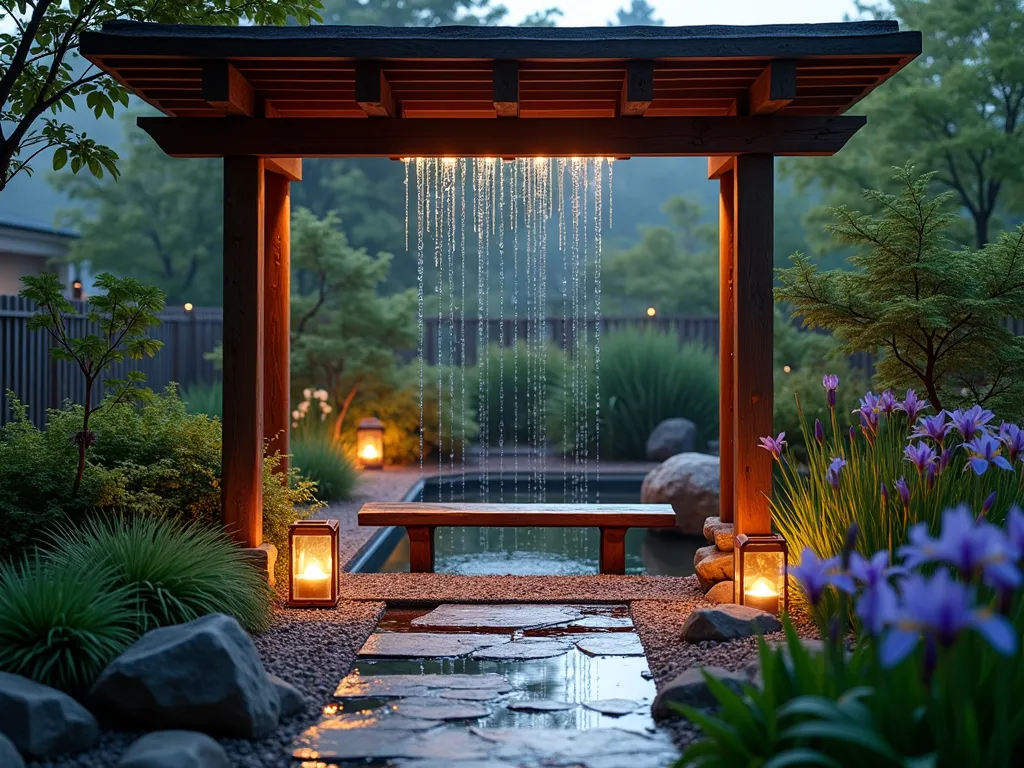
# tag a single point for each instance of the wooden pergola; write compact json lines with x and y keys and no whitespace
{"x":265,"y":97}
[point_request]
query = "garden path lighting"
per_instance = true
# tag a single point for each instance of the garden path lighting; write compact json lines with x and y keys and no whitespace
{"x":760,"y":562}
{"x":313,"y":576}
{"x":370,"y":443}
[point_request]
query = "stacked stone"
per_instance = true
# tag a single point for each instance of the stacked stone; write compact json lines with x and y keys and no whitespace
{"x":714,"y":563}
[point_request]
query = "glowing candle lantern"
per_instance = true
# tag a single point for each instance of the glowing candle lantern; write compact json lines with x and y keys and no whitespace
{"x":759,"y":572}
{"x":370,"y":443}
{"x":314,"y":569}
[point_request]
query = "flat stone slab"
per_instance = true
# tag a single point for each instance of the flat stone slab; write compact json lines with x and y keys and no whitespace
{"x":612,"y":644}
{"x":528,"y":648}
{"x":602,"y":622}
{"x":612,"y":707}
{"x":426,"y":645}
{"x":398,"y":686}
{"x":496,"y":617}
{"x":436,"y":708}
{"x":540,"y":705}
{"x":554,"y":744}
{"x":486,"y":694}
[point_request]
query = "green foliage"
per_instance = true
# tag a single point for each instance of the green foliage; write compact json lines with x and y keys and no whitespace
{"x":646,"y":377}
{"x":504,"y":372}
{"x":319,"y":456}
{"x":204,"y":398}
{"x":639,"y":13}
{"x":61,"y":626}
{"x":674,"y":269}
{"x":935,"y":312}
{"x":283,"y":504}
{"x":160,"y":222}
{"x":169,"y":573}
{"x":343,"y":333}
{"x":42,"y":71}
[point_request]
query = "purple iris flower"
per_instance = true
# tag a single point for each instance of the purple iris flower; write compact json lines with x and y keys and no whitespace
{"x":831,"y":383}
{"x":970,"y":546}
{"x":815,"y":575}
{"x":903,"y":490}
{"x":971,"y":421}
{"x":990,"y":501}
{"x":819,"y":432}
{"x":939,"y":608}
{"x":887,"y":402}
{"x":930,"y":475}
{"x":986,"y":451}
{"x":944,"y":459}
{"x":934,"y":427}
{"x":877,"y":603}
{"x":832,"y":473}
{"x":912,"y":405}
{"x":870,"y":407}
{"x":1012,"y":438}
{"x":921,"y":455}
{"x":774,"y":444}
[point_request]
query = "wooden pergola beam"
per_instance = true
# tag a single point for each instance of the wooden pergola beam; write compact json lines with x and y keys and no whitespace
{"x":506,"y":88}
{"x":774,"y":88}
{"x":373,"y":91}
{"x":289,"y":167}
{"x":637,"y":89}
{"x":225,"y":88}
{"x":720,"y":165}
{"x":548,"y":137}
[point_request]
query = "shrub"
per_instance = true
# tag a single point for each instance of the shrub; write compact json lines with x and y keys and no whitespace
{"x":887,"y":476}
{"x":319,"y":457}
{"x":283,"y":504}
{"x":204,"y":398}
{"x":173,"y":573}
{"x":935,"y":677}
{"x":516,"y":385}
{"x":646,"y":377}
{"x":61,"y":626}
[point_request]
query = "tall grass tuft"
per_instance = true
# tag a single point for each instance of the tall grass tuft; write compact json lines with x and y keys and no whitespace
{"x":171,"y":572}
{"x":321,"y":457}
{"x":61,"y":626}
{"x":813,"y":508}
{"x":204,"y":398}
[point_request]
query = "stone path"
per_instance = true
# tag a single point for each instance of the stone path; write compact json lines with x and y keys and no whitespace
{"x":495,"y":686}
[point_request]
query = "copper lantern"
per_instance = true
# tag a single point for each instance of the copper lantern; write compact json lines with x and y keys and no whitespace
{"x":760,"y":563}
{"x":370,"y":443}
{"x":313,"y":576}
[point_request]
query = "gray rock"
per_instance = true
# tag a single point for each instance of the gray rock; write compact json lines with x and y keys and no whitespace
{"x":175,"y":749}
{"x":612,"y":644}
{"x":205,"y":675}
{"x":670,"y":437}
{"x":718,"y":533}
{"x":728,"y":622}
{"x":393,"y":686}
{"x":691,"y":689}
{"x":487,"y":694}
{"x":426,"y":645}
{"x":611,"y":707}
{"x":520,"y":650}
{"x":430,"y":708}
{"x":721,"y":593}
{"x":9,"y":756}
{"x":540,"y":705}
{"x":501,"y":617}
{"x":291,"y":699}
{"x":41,"y":721}
{"x":689,"y":482}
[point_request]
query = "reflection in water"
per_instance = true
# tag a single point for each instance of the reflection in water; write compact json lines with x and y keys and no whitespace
{"x":475,"y":551}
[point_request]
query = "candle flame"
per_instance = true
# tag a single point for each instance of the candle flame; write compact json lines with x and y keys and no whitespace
{"x":314,"y":572}
{"x":762,"y":588}
{"x":369,"y":452}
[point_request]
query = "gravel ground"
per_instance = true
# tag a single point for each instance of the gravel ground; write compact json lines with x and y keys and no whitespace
{"x":311,"y":649}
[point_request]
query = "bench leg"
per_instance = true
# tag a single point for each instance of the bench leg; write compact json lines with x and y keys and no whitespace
{"x":613,"y":550}
{"x":421,"y":548}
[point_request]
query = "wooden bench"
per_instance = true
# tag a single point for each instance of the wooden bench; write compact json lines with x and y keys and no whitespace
{"x":420,"y":520}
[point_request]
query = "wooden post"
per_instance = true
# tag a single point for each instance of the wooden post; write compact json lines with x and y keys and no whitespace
{"x":726,"y":349}
{"x":421,"y":548}
{"x":242,"y":449}
{"x":276,"y":326}
{"x":753,"y":339}
{"x":613,"y":551}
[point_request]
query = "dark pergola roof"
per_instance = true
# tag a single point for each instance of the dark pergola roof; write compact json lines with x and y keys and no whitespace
{"x":457,"y":72}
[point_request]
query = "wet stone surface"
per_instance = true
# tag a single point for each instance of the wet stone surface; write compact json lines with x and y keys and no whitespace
{"x":539,"y":685}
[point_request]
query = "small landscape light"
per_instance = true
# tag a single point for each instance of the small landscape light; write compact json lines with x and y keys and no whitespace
{"x":370,"y":443}
{"x":313,"y":576}
{"x":787,"y":369}
{"x":760,"y":562}
{"x":188,"y":306}
{"x":651,"y":311}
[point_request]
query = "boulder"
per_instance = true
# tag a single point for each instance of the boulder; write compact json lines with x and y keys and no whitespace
{"x":721,"y":593}
{"x":728,"y":622}
{"x":670,"y":437}
{"x":718,"y":533}
{"x":41,"y":721}
{"x":9,"y":755}
{"x":205,"y":675}
{"x":175,"y":749}
{"x":716,"y":567}
{"x":704,"y":552}
{"x":689,"y":482}
{"x":292,"y":700}
{"x":691,"y":689}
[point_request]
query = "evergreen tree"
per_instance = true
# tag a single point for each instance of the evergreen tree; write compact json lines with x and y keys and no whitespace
{"x":640,"y":13}
{"x":935,"y":312}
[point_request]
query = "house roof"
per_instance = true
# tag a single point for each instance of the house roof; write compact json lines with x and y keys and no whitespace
{"x":451,"y":72}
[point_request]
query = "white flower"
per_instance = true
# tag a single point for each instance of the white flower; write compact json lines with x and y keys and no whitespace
{"x":296,"y":415}
{"x":325,"y":408}
{"x":320,"y":394}
{"x":295,"y":423}
{"x":307,"y":393}
{"x":323,"y":417}
{"x":304,"y":406}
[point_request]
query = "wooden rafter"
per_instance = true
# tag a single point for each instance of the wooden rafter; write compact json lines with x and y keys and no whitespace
{"x":373,"y":91}
{"x":227,"y":90}
{"x":637,"y":89}
{"x":774,"y":89}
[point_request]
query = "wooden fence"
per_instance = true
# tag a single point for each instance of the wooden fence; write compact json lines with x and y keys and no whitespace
{"x":28,"y":370}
